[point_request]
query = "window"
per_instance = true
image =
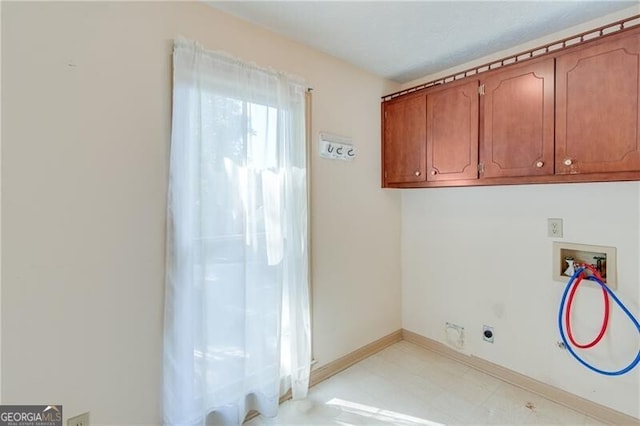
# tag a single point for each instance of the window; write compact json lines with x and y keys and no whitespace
{"x":237,"y":295}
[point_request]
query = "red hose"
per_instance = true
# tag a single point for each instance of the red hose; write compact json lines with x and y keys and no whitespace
{"x":605,"y":320}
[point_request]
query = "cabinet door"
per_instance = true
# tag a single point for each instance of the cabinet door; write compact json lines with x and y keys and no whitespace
{"x":517,"y":110}
{"x":404,"y":122}
{"x":597,"y":114}
{"x":452,"y":133}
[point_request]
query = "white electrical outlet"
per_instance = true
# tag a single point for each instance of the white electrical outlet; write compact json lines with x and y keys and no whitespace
{"x":79,"y":420}
{"x":554,"y":228}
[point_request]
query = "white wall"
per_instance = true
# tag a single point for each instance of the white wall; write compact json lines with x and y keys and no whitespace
{"x":476,"y":256}
{"x":86,"y":113}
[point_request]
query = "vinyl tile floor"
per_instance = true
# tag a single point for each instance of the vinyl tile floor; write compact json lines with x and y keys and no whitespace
{"x":406,"y":385}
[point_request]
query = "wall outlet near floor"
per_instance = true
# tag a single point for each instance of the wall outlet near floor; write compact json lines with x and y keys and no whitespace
{"x":487,"y":333}
{"x":79,"y":420}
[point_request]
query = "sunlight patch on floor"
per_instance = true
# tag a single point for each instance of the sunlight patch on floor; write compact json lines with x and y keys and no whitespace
{"x":380,"y":414}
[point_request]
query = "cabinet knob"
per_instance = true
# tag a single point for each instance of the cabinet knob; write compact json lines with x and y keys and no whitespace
{"x":539,"y":164}
{"x":417,"y":173}
{"x":434,"y":172}
{"x":568,"y":162}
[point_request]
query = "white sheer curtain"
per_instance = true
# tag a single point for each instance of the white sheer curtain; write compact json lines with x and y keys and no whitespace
{"x":237,"y":328}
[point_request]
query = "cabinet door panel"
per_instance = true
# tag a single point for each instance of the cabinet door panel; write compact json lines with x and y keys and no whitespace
{"x":452,"y":133}
{"x":517,"y":136}
{"x":597,"y":112}
{"x":404,"y":140}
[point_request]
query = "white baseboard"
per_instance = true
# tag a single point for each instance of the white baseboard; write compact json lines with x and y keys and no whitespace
{"x":342,"y":363}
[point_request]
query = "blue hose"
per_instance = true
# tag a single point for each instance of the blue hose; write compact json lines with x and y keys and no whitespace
{"x":618,"y":302}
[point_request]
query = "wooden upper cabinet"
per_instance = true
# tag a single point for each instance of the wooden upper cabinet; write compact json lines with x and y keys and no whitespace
{"x":452,"y":132}
{"x":517,"y":128}
{"x":597,"y":111}
{"x":560,"y":114}
{"x":404,"y":133}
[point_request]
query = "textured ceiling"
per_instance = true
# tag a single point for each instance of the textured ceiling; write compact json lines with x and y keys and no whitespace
{"x":403,"y":41}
